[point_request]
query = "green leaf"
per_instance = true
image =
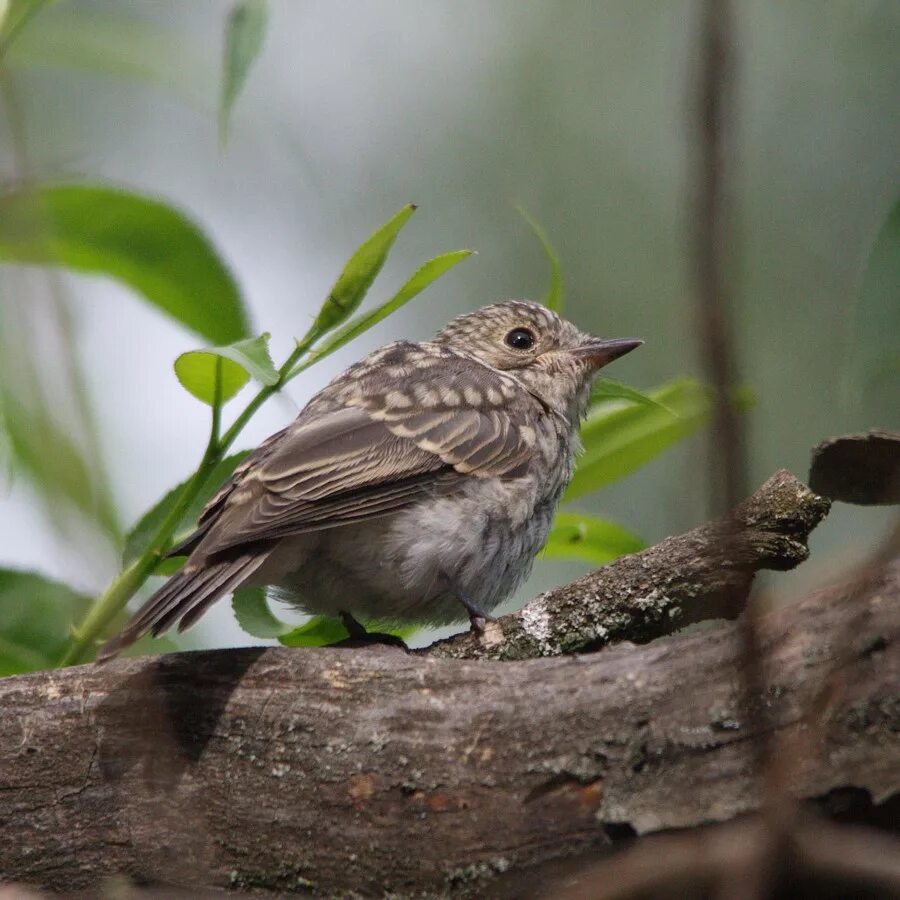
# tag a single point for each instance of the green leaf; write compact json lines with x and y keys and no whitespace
{"x":55,"y":463}
{"x":360,"y":271}
{"x":555,"y":297}
{"x":319,"y":631}
{"x":36,"y":614}
{"x":236,"y":363}
{"x":6,"y":450}
{"x":619,"y":440}
{"x":244,"y":35}
{"x":606,"y":389}
{"x":14,"y":16}
{"x":874,"y":367}
{"x":145,"y":529}
{"x":598,"y":541}
{"x":254,"y":615}
{"x":142,"y":242}
{"x":117,"y":46}
{"x":421,"y":279}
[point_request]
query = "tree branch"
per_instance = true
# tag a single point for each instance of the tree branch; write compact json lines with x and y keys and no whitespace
{"x":858,"y":468}
{"x":822,"y":860}
{"x":703,"y":574}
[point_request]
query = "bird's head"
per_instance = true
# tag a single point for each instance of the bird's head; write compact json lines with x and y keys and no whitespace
{"x":552,"y":358}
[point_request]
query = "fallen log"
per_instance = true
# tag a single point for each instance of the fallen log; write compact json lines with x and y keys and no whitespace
{"x":377,"y":771}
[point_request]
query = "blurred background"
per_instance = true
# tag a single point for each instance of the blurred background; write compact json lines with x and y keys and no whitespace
{"x":579,"y":111}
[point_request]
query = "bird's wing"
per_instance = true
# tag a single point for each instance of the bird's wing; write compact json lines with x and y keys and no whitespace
{"x":400,"y":426}
{"x":373,"y":450}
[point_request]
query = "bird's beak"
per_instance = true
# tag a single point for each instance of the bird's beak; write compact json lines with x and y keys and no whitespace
{"x":597,"y":353}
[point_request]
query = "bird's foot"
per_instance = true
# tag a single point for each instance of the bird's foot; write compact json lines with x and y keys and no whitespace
{"x":478,"y":618}
{"x":478,"y":621}
{"x":359,"y":637}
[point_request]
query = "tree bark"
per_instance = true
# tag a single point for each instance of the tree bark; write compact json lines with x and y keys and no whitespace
{"x":374,"y":770}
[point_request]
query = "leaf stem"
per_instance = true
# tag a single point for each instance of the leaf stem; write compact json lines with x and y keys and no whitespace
{"x":284,"y":376}
{"x":212,"y":445}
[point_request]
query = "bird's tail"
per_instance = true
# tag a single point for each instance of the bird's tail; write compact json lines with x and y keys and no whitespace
{"x":183,"y":598}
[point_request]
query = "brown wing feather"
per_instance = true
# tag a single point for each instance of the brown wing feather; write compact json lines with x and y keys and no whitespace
{"x":388,"y":439}
{"x":340,"y":467}
{"x":474,"y":418}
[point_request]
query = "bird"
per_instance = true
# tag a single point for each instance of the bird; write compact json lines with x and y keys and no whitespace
{"x":416,"y":488}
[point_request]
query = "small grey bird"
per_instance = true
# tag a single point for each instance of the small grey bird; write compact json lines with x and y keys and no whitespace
{"x":415,"y":488}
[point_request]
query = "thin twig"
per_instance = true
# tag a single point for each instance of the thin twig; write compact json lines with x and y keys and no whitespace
{"x":714,"y":116}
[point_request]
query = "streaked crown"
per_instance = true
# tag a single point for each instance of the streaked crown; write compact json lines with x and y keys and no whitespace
{"x":511,"y":334}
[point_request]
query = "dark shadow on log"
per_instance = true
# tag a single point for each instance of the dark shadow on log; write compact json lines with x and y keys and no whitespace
{"x":163,"y":716}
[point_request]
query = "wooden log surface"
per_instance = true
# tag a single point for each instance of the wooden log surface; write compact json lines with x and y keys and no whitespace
{"x":374,"y":770}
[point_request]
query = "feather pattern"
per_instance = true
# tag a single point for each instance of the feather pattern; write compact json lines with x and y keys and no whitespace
{"x":375,"y":451}
{"x":185,"y":597}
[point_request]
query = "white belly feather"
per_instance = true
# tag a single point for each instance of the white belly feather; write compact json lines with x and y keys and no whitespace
{"x":398,"y":568}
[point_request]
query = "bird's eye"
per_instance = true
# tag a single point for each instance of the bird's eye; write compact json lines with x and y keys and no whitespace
{"x":520,"y":339}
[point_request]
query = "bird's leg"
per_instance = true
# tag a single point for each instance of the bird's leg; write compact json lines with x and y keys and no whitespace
{"x":478,"y":618}
{"x":359,"y":637}
{"x":355,"y":629}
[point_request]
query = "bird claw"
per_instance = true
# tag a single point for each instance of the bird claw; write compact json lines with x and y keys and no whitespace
{"x":479,"y":620}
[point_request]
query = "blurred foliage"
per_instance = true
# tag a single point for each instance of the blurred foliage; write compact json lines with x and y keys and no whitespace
{"x":47,"y":454}
{"x":145,"y":243}
{"x":121,"y":46}
{"x":582,"y":537}
{"x":554,"y":298}
{"x":140,"y":537}
{"x":14,"y":16}
{"x":619,"y":439}
{"x":874,"y":359}
{"x":36,"y":614}
{"x":244,"y":35}
{"x":50,"y":438}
